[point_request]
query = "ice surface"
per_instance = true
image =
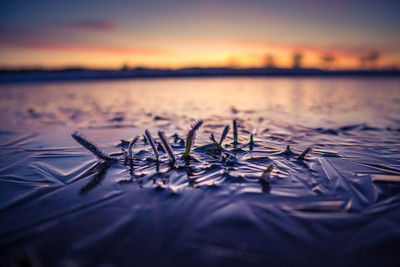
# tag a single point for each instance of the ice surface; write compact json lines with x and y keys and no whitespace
{"x":59,"y":205}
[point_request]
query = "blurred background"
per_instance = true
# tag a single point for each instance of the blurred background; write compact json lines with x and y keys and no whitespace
{"x":121,"y":34}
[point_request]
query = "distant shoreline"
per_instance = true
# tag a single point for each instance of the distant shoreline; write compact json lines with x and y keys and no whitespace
{"x":82,"y":74}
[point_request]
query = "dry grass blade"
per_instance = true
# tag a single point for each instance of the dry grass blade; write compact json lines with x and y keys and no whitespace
{"x":288,"y":151}
{"x":191,"y":137}
{"x":212,"y":138}
{"x":130,"y":147}
{"x":235,"y":132}
{"x":265,"y":177}
{"x":81,"y":139}
{"x":151,"y":142}
{"x":224,"y":134}
{"x":305,"y":152}
{"x":251,"y":143}
{"x":167,"y":146}
{"x":268,"y":170}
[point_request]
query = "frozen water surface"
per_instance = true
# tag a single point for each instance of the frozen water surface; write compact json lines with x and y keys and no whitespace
{"x":340,"y":205}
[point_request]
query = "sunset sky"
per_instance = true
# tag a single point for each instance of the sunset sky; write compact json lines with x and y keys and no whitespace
{"x":172,"y":33}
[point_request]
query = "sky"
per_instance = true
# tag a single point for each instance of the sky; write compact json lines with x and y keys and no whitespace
{"x":205,"y":33}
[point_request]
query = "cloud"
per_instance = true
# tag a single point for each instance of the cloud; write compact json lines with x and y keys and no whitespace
{"x":89,"y":48}
{"x":86,"y":25}
{"x":34,"y":39}
{"x":45,"y":39}
{"x":99,"y":49}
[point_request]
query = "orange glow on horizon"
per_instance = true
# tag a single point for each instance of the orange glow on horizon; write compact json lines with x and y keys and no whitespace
{"x":181,"y":53}
{"x":107,"y":58}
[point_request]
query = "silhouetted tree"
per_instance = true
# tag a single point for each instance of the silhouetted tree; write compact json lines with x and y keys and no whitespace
{"x":370,"y":60}
{"x":373,"y":59}
{"x":232,"y":62}
{"x":125,"y":67}
{"x":297,"y":58}
{"x":393,"y":66}
{"x":269,"y":61}
{"x":327,"y":61}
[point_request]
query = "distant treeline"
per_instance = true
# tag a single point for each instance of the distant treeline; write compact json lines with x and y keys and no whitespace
{"x":24,"y":75}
